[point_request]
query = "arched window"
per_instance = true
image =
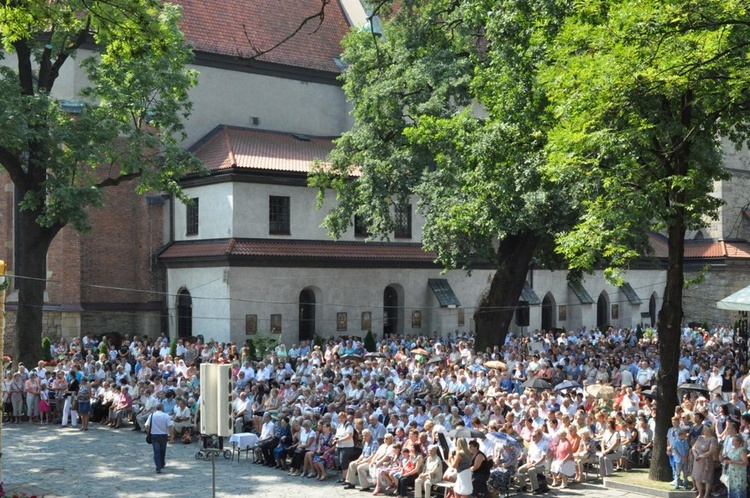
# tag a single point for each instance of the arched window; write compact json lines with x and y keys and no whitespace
{"x":390,"y":311}
{"x":548,"y":312}
{"x":602,"y":311}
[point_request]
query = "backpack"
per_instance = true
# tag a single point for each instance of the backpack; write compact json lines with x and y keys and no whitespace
{"x":355,"y":436}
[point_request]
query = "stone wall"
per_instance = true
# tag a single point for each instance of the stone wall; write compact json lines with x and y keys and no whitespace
{"x":52,"y":327}
{"x":699,"y":303}
{"x":127,"y":323}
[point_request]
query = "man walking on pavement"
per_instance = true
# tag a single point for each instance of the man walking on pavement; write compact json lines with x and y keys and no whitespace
{"x":158,"y":425}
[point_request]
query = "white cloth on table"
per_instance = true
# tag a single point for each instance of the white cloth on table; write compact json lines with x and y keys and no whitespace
{"x":244,"y":439}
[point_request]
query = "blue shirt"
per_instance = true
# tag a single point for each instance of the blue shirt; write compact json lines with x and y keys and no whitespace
{"x":680,"y":450}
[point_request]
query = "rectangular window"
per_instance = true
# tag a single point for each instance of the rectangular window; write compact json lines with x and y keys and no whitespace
{"x":278,"y":215}
{"x":403,"y":222}
{"x":191,"y":217}
{"x":360,"y":226}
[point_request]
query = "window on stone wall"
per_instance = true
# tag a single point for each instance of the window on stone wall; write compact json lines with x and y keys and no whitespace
{"x":403,"y":222}
{"x":278,"y":215}
{"x":360,"y":226}
{"x":191,"y":221}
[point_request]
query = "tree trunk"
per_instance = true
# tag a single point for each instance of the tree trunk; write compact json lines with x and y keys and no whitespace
{"x":495,"y":311}
{"x":670,"y":323}
{"x":31,"y":270}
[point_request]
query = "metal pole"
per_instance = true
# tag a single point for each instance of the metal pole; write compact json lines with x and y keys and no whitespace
{"x":3,"y":285}
{"x":213,"y":473}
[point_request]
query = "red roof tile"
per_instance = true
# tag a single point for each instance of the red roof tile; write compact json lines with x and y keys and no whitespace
{"x":703,"y":248}
{"x":223,"y":27}
{"x":230,"y":147}
{"x":285,"y":249}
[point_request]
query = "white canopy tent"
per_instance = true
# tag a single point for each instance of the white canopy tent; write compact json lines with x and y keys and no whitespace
{"x":739,"y":301}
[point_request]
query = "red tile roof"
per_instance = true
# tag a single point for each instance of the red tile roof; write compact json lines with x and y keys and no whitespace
{"x":223,"y":27}
{"x":286,"y":249}
{"x":228,"y":147}
{"x":703,"y":248}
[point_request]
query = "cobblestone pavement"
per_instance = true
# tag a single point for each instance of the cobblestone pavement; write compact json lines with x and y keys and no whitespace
{"x":103,"y":462}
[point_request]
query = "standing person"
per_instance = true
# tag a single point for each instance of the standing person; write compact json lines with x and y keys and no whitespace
{"x":705,"y":450}
{"x":680,"y":451}
{"x":32,"y":396}
{"x":344,"y":444}
{"x":17,"y":387}
{"x":44,"y":405}
{"x":158,"y":425}
{"x":84,"y":403}
{"x":70,"y":409}
{"x":736,"y":462}
{"x":7,"y":404}
{"x":461,"y":461}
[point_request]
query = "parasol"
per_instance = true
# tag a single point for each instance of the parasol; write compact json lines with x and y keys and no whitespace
{"x":435,"y":359}
{"x":602,"y":391}
{"x":499,"y":365}
{"x":536,"y":383}
{"x":467,"y":433}
{"x":420,"y":351}
{"x":351,"y":357}
{"x":567,"y":384}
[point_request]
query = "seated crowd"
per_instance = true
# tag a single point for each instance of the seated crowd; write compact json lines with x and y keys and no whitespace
{"x":421,"y":413}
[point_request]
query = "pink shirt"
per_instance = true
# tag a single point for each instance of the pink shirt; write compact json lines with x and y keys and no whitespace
{"x":563,"y":449}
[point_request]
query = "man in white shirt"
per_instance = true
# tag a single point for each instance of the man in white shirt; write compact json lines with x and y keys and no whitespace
{"x":158,"y":426}
{"x":536,"y":459}
{"x":243,"y":412}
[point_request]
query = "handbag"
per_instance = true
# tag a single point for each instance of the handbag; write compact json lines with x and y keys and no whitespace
{"x":148,"y":434}
{"x":73,"y":402}
{"x":724,"y":479}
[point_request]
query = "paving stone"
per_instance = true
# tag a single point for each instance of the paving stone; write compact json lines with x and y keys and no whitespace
{"x":103,"y":462}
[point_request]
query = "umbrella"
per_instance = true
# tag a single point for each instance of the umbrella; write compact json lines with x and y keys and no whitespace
{"x":536,"y":383}
{"x":374,"y":355}
{"x":435,"y":359}
{"x":421,"y":351}
{"x":496,"y":364}
{"x":352,"y":357}
{"x":693,"y":387}
{"x":567,"y":384}
{"x":503,"y":437}
{"x":602,"y":391}
{"x":649,"y":393}
{"x":739,"y":301}
{"x":467,"y":433}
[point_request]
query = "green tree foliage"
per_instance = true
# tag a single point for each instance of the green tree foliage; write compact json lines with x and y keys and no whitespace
{"x":46,"y":352}
{"x":644,"y":93}
{"x":369,"y":342}
{"x":448,"y":111}
{"x":173,"y":348}
{"x":129,"y":128}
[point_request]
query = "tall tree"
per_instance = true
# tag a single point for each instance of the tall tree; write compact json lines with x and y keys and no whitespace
{"x":128,"y":128}
{"x":447,"y":111}
{"x":644,"y":91}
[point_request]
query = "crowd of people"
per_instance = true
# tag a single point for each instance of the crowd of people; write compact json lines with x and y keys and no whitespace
{"x":418,"y":412}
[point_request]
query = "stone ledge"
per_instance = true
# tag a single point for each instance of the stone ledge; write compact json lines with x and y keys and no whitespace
{"x":645,"y":490}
